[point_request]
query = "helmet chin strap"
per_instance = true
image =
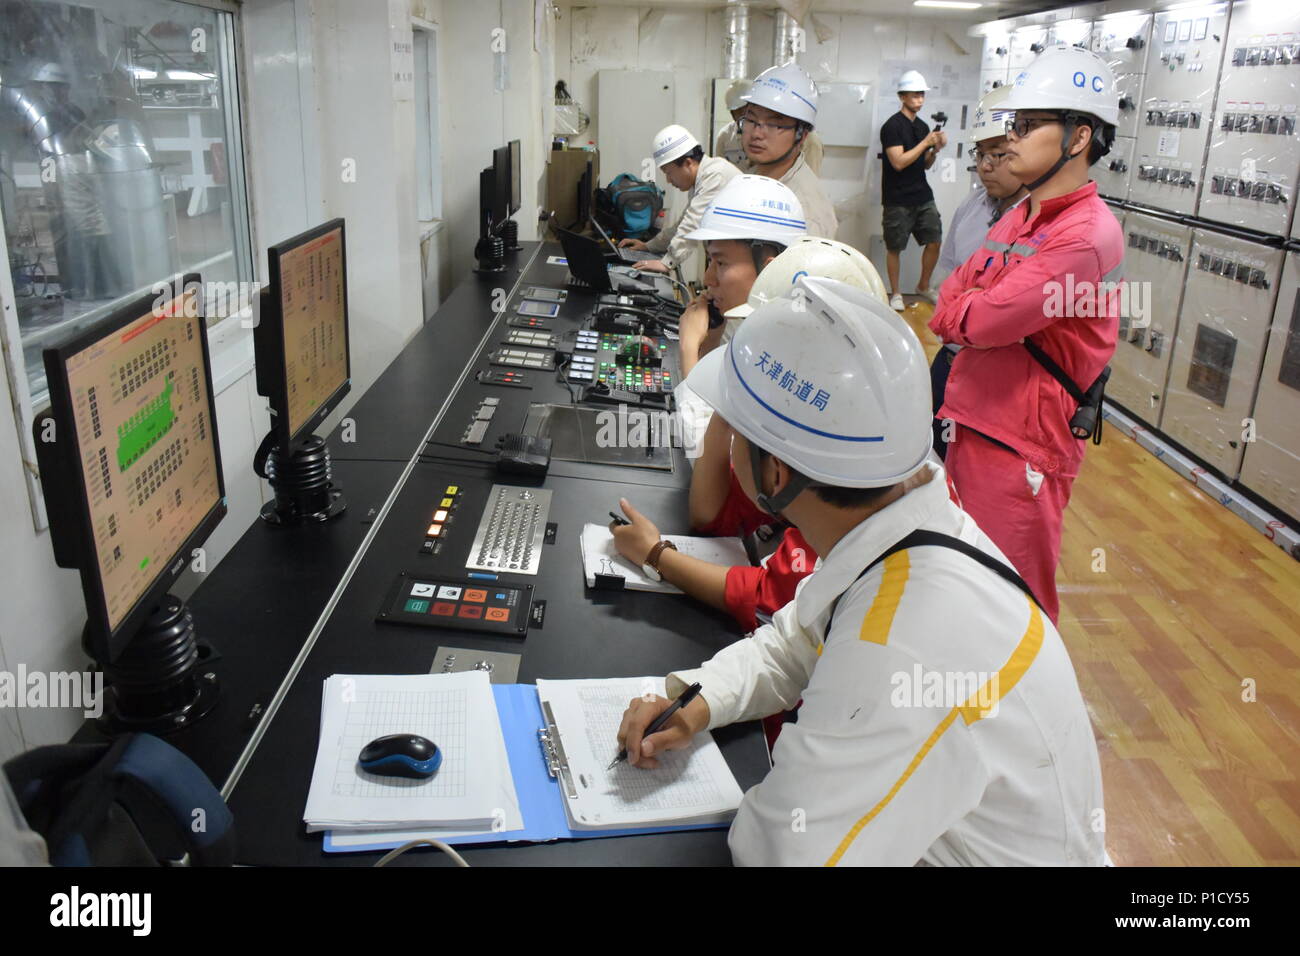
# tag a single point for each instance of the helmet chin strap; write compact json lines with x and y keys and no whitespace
{"x":1070,"y":125}
{"x":774,"y":504}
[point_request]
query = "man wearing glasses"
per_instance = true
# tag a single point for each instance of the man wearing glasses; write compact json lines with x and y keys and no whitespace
{"x":1012,"y":454}
{"x":998,"y":191}
{"x":909,"y":210}
{"x":780,"y":113}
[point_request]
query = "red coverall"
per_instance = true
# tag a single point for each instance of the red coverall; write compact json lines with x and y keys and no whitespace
{"x":1044,"y":277}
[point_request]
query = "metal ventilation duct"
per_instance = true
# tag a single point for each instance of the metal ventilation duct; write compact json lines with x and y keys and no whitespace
{"x":735,"y":41}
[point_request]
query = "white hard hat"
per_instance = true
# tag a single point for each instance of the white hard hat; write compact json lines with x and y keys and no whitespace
{"x":810,"y":256}
{"x":912,"y":82}
{"x":673,"y":142}
{"x":990,"y":119}
{"x":1066,"y":78}
{"x":736,"y":94}
{"x":787,"y":90}
{"x":753,"y":207}
{"x":831,"y":381}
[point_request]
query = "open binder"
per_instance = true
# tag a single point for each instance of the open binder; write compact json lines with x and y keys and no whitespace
{"x":560,"y":781}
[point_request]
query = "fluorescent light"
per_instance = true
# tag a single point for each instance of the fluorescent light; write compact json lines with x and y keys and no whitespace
{"x":947,"y":4}
{"x":187,"y":75}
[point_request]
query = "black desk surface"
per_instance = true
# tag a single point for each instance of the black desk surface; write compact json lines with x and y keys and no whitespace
{"x":270,"y":594}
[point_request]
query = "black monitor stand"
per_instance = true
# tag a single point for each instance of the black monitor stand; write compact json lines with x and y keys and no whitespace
{"x":159,"y":682}
{"x":302,"y":482}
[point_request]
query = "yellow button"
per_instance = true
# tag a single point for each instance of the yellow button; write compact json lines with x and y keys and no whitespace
{"x":452,"y":490}
{"x":445,"y":503}
{"x":440,"y":516}
{"x":434,"y":530}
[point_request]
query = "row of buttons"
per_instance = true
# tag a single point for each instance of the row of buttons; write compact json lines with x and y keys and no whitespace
{"x":1243,"y":273}
{"x":1283,"y":55}
{"x":1166,"y":174}
{"x":588,"y":340}
{"x":1258,"y":191}
{"x":1155,"y":246}
{"x":1270,"y":124}
{"x":441,"y":517}
{"x":1184,"y":119}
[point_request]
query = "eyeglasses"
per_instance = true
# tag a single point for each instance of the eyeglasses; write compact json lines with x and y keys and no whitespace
{"x":1022,"y":127}
{"x":758,"y":126}
{"x":991,"y":160}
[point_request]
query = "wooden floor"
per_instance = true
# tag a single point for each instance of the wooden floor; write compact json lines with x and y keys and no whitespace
{"x":1194,"y":614}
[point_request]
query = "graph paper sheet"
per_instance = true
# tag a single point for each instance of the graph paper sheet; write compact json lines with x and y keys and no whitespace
{"x":693,"y":785}
{"x":472,"y":788}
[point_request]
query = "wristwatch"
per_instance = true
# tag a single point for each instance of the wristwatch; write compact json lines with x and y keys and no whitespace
{"x":651,"y":566}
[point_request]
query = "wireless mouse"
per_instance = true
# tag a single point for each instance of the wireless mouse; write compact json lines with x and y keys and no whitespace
{"x":401,"y":755}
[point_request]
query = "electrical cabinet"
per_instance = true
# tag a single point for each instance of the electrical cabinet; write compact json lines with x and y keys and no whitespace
{"x":1111,"y":172}
{"x":1219,"y":346}
{"x":1173,"y":119}
{"x":1271,"y":467}
{"x":1155,"y":269}
{"x":1254,"y":156}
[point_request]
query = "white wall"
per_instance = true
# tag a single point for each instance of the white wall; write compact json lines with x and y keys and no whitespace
{"x":317,"y":90}
{"x":860,"y":49}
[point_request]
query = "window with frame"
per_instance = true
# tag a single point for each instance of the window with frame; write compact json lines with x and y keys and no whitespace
{"x":121,"y":162}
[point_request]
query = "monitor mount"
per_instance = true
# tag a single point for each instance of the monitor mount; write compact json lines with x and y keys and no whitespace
{"x":160,"y":682}
{"x":302,"y":481}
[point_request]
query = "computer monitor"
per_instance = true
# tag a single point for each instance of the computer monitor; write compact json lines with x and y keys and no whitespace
{"x":304,"y":364}
{"x":131,"y":473}
{"x":304,"y":368}
{"x":515,"y":177}
{"x":501,"y":166}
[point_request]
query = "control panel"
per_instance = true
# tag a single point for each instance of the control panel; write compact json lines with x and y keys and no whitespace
{"x":1254,"y":154}
{"x":1182,"y":68}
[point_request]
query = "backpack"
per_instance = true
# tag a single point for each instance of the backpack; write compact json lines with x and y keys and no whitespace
{"x":136,"y":801}
{"x":628,"y":207}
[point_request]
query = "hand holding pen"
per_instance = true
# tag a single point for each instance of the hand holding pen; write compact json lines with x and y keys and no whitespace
{"x":634,"y":729}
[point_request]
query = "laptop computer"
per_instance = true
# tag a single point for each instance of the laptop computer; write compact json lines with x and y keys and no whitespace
{"x":623,"y":255}
{"x":586,"y":261}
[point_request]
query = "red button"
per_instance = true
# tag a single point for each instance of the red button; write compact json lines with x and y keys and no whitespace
{"x":469,"y":610}
{"x":498,"y":614}
{"x":444,"y":608}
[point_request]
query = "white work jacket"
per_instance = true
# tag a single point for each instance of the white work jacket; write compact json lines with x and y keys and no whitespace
{"x":818,"y":212}
{"x":714,"y":173}
{"x":894,"y":759}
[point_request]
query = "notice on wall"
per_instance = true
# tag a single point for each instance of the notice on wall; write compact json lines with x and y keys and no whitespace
{"x":1168,"y":143}
{"x":401,"y":50}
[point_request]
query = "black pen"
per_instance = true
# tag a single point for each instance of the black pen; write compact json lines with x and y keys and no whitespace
{"x":657,"y":724}
{"x":618,"y":520}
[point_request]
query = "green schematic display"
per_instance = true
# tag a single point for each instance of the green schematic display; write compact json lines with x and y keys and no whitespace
{"x":142,"y":430}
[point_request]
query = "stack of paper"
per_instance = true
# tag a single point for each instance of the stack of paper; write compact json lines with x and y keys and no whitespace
{"x":600,"y":556}
{"x":472,"y":789}
{"x":690,"y":786}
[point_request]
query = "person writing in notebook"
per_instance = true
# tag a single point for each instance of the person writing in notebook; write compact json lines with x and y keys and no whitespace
{"x":997,"y":768}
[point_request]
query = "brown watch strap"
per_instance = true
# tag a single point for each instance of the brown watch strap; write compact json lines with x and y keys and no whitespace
{"x":652,"y":558}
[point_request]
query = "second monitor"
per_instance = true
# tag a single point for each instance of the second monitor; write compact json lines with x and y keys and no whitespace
{"x":304,"y":369}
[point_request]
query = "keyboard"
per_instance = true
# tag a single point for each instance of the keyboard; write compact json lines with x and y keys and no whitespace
{"x":634,"y":255}
{"x":511,"y":530}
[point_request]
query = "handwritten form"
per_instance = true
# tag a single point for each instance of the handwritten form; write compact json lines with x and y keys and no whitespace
{"x":693,"y":785}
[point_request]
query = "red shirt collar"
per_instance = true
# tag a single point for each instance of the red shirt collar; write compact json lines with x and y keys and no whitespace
{"x":1050,"y":207}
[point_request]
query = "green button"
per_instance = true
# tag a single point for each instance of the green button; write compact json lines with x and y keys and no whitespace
{"x":415,"y":606}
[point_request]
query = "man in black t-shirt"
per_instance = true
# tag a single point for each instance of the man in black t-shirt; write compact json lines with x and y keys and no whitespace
{"x":909,"y":210}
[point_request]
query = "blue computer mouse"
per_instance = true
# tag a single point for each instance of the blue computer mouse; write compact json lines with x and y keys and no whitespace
{"x":401,"y":755}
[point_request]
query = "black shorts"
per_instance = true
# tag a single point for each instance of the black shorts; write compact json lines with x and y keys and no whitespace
{"x":920,"y":221}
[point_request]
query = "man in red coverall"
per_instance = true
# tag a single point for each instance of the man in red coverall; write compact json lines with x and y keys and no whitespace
{"x":1048,"y":273}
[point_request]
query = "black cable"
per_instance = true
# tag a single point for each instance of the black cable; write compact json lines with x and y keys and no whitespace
{"x":458,"y":446}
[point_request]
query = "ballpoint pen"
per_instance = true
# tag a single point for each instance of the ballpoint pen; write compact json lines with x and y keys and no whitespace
{"x":657,"y":724}
{"x":618,"y":520}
